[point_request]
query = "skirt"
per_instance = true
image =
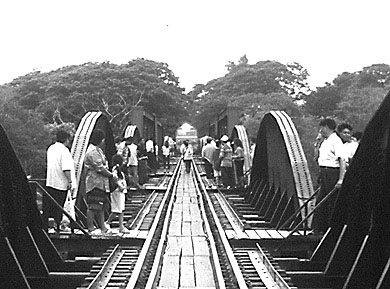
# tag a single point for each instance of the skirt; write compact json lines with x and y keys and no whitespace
{"x":118,"y":200}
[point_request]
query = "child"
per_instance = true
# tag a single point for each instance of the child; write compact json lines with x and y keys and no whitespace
{"x":118,"y":197}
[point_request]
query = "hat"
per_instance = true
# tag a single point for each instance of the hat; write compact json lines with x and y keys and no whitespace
{"x":224,"y":138}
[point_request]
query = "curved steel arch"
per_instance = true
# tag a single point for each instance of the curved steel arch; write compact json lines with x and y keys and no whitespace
{"x":132,"y":131}
{"x":279,"y":158}
{"x":91,"y":121}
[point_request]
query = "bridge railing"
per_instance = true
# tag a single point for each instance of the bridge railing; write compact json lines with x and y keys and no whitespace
{"x":34,"y":184}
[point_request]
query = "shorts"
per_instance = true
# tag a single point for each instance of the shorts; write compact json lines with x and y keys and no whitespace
{"x":217,"y":173}
{"x":97,"y":199}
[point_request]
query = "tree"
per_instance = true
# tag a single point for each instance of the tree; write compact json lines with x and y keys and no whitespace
{"x":255,"y":106}
{"x":113,"y":89}
{"x":324,"y":102}
{"x":262,"y":78}
{"x":359,"y":105}
{"x":29,"y":141}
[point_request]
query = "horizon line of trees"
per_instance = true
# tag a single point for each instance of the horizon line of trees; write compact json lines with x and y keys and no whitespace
{"x":60,"y":98}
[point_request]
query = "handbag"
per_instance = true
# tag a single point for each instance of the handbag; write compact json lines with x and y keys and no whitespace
{"x":112,"y":184}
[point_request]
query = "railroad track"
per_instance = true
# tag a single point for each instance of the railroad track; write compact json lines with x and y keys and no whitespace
{"x":113,"y":269}
{"x":185,"y":246}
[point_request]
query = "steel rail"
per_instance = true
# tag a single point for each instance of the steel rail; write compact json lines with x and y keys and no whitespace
{"x":143,"y":212}
{"x":277,"y":279}
{"x":217,"y":265}
{"x":159,"y":252}
{"x":231,"y":215}
{"x":233,"y":262}
{"x":145,"y":248}
{"x":102,"y":279}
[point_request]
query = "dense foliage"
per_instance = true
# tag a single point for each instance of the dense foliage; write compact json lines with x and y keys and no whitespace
{"x":27,"y":134}
{"x":46,"y":101}
{"x":256,"y":88}
{"x":71,"y":91}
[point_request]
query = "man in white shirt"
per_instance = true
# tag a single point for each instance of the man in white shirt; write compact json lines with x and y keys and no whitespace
{"x":350,"y":144}
{"x":207,"y":154}
{"x":60,"y":177}
{"x":332,"y":169}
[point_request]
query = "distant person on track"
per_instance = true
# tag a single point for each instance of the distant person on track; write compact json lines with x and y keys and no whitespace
{"x":118,"y":196}
{"x":166,"y":153}
{"x":60,"y":178}
{"x":217,"y":163}
{"x":152,"y":159}
{"x":332,"y":169}
{"x":187,"y":153}
{"x":226,"y":156}
{"x":132,"y":165}
{"x":97,"y":184}
{"x":143,"y":168}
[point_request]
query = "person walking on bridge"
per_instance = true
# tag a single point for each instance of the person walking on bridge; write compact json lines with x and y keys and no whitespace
{"x":187,"y":153}
{"x":332,"y":169}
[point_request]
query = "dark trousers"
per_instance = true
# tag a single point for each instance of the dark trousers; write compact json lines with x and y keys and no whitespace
{"x":188,"y":166}
{"x":239,"y":170}
{"x":166,"y":162}
{"x":323,"y":215}
{"x":208,"y":167}
{"x":52,"y":210}
{"x":227,"y":175}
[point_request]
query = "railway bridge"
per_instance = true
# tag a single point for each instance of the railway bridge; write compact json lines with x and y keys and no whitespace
{"x":186,"y":233}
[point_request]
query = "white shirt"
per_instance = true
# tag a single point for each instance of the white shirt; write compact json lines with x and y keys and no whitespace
{"x":330,"y":151}
{"x":165,"y":150}
{"x":349,"y":150}
{"x":187,"y":152}
{"x":149,"y":146}
{"x":133,"y":160}
{"x":59,"y":160}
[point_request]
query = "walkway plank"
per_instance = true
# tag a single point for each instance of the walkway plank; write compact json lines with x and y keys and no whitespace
{"x":197,"y":228}
{"x":186,"y":229}
{"x":173,"y":246}
{"x":263,"y":234}
{"x":174,"y":228}
{"x":202,"y":272}
{"x":187,"y":276}
{"x":252,"y":234}
{"x":186,"y":261}
{"x":170,"y":272}
{"x":187,"y":246}
{"x":201,"y":247}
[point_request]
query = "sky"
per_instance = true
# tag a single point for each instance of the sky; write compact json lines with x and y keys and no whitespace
{"x":195,"y":38}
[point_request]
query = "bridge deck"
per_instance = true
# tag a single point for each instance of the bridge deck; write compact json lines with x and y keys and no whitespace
{"x":186,"y":260}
